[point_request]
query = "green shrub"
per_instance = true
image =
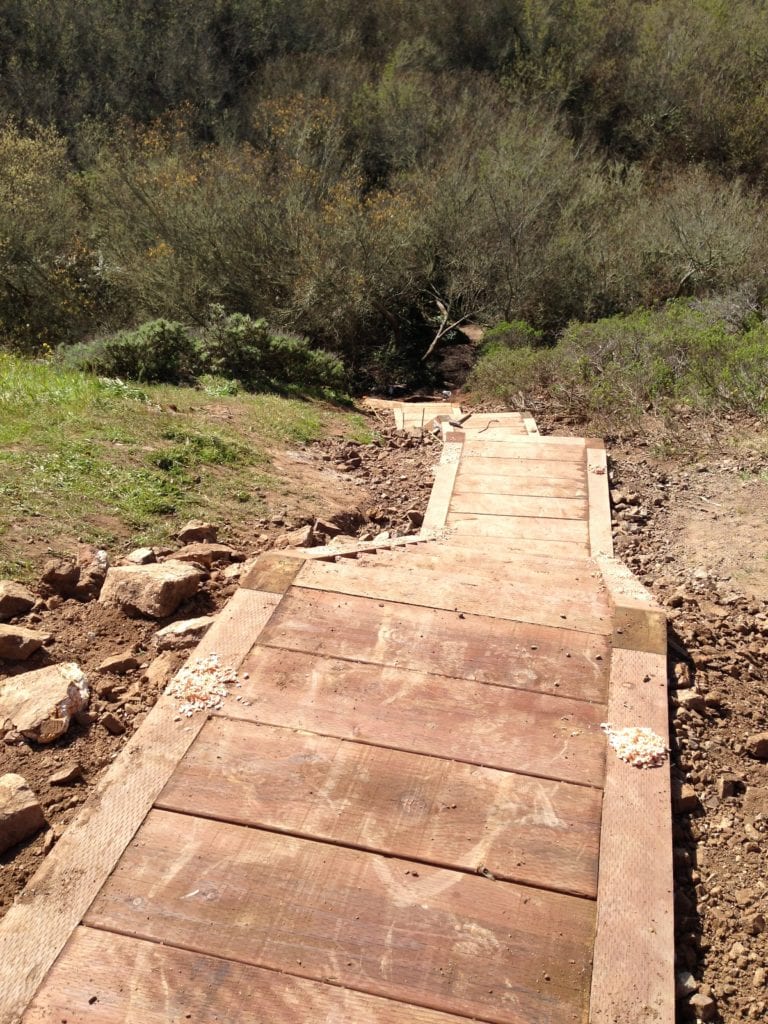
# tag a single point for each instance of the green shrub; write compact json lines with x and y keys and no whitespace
{"x":234,"y":346}
{"x":160,"y":350}
{"x":517,"y":334}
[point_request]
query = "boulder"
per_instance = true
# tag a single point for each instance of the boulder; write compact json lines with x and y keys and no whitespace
{"x":304,"y":537}
{"x":41,"y":704}
{"x":206,"y":554}
{"x":140,"y":556}
{"x":757,"y":746}
{"x":20,"y":812}
{"x":18,"y":643}
{"x":154,"y":591}
{"x":59,"y":576}
{"x":14,"y":600}
{"x":183,"y":634}
{"x":196,"y":530}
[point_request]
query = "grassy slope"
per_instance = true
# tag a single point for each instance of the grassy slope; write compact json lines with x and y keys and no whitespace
{"x":121,"y":465}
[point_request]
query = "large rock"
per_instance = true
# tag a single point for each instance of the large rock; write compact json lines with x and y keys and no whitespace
{"x":81,"y":578}
{"x":41,"y":704}
{"x":154,"y":591}
{"x":20,"y":812}
{"x":183,"y":634}
{"x":18,"y":643}
{"x":14,"y":600}
{"x":207,"y":554}
{"x":757,"y":746}
{"x":196,"y":530}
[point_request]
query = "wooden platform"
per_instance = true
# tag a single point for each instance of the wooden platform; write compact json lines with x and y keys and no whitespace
{"x":406,"y":813}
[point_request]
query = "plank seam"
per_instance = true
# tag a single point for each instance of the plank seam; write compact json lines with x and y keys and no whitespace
{"x":36,"y":927}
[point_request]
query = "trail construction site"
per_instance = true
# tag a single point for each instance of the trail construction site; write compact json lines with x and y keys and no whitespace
{"x":417,"y":780}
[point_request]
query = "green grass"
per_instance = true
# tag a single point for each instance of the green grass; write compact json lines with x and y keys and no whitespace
{"x":114,"y":464}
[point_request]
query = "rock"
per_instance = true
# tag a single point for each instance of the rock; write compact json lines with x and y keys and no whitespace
{"x":119,"y":664}
{"x":18,"y":643}
{"x":684,"y":798}
{"x":183,"y":634}
{"x":71,"y":772}
{"x":140,"y":556}
{"x":758,"y":978}
{"x":682,"y":675}
{"x":757,"y":746}
{"x":755,"y":802}
{"x":151,"y":590}
{"x":381,"y":537}
{"x":691,"y":701}
{"x":727,"y":785}
{"x":14,"y":600}
{"x":685,"y":984}
{"x":92,"y":565}
{"x":196,"y":530}
{"x":304,"y":537}
{"x":416,"y":518}
{"x":59,"y":576}
{"x":206,"y":554}
{"x":703,"y":1006}
{"x":113,"y":725}
{"x":41,"y":704}
{"x":754,"y":924}
{"x":325,"y":528}
{"x":160,"y":670}
{"x":20,"y":812}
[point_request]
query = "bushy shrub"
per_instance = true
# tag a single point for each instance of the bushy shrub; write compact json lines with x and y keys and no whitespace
{"x":160,"y":350}
{"x":234,"y":346}
{"x":514,"y":334}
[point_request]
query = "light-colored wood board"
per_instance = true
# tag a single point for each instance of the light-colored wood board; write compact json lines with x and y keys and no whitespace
{"x":513,"y":730}
{"x":571,"y":531}
{"x":547,"y":549}
{"x":442,"y":488}
{"x":397,"y":412}
{"x":538,"y":487}
{"x":493,"y":432}
{"x":530,"y":468}
{"x":517,"y":565}
{"x":600,"y":528}
{"x":634,"y":945}
{"x":482,"y":418}
{"x":132,"y":981}
{"x":446,"y":813}
{"x":530,"y":423}
{"x":536,"y":449}
{"x":494,"y":504}
{"x":36,"y":927}
{"x":272,"y":572}
{"x":456,"y":943}
{"x":584,"y":609}
{"x":555,"y":661}
{"x":639,"y":622}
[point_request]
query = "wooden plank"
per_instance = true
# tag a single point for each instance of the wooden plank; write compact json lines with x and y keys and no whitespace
{"x":634,"y":945}
{"x":513,"y":565}
{"x":463,"y":533}
{"x":530,"y":423}
{"x":36,"y":927}
{"x":555,"y":661}
{"x":570,"y":530}
{"x":586,"y":609}
{"x":491,"y":432}
{"x":513,"y":730}
{"x":105,"y":978}
{"x":272,"y":573}
{"x":455,"y":943}
{"x":639,"y":622}
{"x":440,"y":812}
{"x":495,"y":504}
{"x":545,"y":470}
{"x":442,"y":488}
{"x":397,"y":412}
{"x":468,"y":482}
{"x":600,"y":527}
{"x":538,"y":449}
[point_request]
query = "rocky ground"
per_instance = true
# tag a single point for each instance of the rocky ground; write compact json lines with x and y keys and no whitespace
{"x":691,"y":519}
{"x":124,"y":660}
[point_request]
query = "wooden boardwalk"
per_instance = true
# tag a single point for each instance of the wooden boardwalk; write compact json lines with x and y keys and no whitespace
{"x":408,"y":816}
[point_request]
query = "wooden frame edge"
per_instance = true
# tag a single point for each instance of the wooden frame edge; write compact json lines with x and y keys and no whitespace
{"x":633,"y":968}
{"x":440,"y":496}
{"x":530,"y":424}
{"x":599,"y":499}
{"x":37,"y":926}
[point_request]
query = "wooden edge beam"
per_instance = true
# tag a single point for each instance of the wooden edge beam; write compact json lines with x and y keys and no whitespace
{"x":55,"y":900}
{"x":399,"y":415}
{"x":326,"y":553}
{"x":273,"y":572}
{"x":445,"y":479}
{"x":639,"y":622}
{"x":529,"y":423}
{"x":599,"y":496}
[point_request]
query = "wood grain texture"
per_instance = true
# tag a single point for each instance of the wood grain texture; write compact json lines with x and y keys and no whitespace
{"x":36,"y":927}
{"x":538,"y":449}
{"x":272,"y":573}
{"x":570,"y":531}
{"x":600,"y":527}
{"x":461,"y":533}
{"x":536,"y":570}
{"x":585,"y":608}
{"x":442,"y":488}
{"x":555,"y":661}
{"x":493,"y":504}
{"x":530,"y":468}
{"x":468,"y":482}
{"x":634,"y":944}
{"x":456,"y":943}
{"x":440,"y":812}
{"x":132,"y":981}
{"x":494,"y":432}
{"x":513,"y":730}
{"x":639,"y":622}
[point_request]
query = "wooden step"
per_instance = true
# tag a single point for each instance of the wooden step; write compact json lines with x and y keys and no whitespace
{"x":518,"y":505}
{"x":421,"y":808}
{"x":493,"y":596}
{"x":497,"y":651}
{"x":513,"y":730}
{"x":519,"y":527}
{"x":458,"y":943}
{"x":550,"y":549}
{"x":526,"y":449}
{"x":471,"y":482}
{"x":547,"y":469}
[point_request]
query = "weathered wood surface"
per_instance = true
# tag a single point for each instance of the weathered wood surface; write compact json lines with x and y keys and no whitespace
{"x":440,"y":812}
{"x":553,"y":737}
{"x":553,"y":531}
{"x":379,"y":925}
{"x":555,"y":661}
{"x":520,"y":484}
{"x":519,"y":505}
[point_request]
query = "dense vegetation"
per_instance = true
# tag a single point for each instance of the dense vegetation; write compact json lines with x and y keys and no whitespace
{"x":345,"y":170}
